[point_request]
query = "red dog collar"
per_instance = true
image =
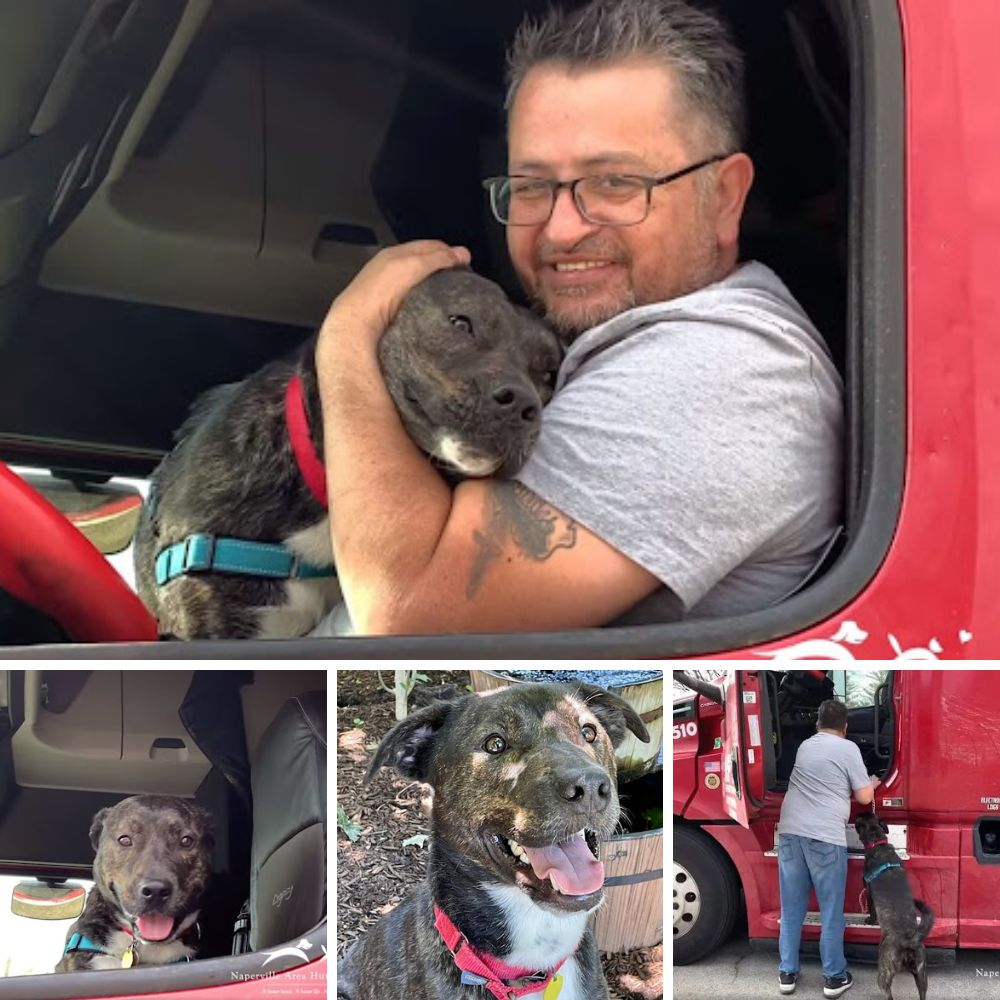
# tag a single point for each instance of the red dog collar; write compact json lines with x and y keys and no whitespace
{"x":297,"y":423}
{"x":489,"y":971}
{"x":877,"y":843}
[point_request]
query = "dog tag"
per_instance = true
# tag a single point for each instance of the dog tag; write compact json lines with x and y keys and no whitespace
{"x":554,"y":988}
{"x":128,"y":958}
{"x":471,"y":979}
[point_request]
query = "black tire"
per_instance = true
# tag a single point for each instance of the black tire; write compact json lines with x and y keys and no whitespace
{"x":716,"y":887}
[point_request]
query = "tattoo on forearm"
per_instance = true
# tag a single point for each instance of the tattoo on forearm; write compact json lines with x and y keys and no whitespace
{"x":517,"y":516}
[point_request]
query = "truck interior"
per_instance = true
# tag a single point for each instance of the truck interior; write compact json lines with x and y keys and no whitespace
{"x":795,"y":699}
{"x":186,"y":184}
{"x":249,"y":746}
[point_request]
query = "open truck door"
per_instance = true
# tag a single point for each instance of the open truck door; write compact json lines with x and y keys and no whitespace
{"x":748,"y":751}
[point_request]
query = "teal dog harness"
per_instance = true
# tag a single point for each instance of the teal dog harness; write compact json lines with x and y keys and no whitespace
{"x":203,"y":553}
{"x":77,"y":942}
{"x":878,"y":871}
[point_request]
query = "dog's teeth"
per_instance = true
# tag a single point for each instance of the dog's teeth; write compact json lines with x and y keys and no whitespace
{"x":518,"y":851}
{"x":552,"y":882}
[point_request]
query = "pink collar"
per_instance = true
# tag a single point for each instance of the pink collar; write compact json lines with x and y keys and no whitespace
{"x":297,"y":423}
{"x":877,"y":843}
{"x":489,"y":971}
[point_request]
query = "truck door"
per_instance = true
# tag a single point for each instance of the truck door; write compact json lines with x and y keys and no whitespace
{"x":747,"y":742}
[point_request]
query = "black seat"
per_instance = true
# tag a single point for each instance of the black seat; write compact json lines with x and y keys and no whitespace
{"x":288,"y":853}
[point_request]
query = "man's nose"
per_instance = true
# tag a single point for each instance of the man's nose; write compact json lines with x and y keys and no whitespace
{"x":566,"y":225}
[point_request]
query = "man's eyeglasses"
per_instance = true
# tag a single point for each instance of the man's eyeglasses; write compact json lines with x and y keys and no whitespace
{"x":604,"y":199}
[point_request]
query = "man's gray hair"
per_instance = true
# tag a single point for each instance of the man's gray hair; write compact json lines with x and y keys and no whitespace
{"x":832,"y":714}
{"x":694,"y":43}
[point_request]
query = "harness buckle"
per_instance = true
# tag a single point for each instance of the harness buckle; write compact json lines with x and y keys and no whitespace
{"x":198,"y":554}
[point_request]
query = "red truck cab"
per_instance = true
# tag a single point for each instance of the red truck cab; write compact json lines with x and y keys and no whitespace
{"x":931,"y":736}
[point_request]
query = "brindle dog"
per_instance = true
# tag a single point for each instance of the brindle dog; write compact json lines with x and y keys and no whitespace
{"x":469,"y":373}
{"x":151,"y":873}
{"x":904,"y":921}
{"x":524,"y":791}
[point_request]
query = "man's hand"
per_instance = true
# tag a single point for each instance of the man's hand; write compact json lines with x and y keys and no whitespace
{"x":363,"y":310}
{"x":412,"y":555}
{"x":875,"y":781}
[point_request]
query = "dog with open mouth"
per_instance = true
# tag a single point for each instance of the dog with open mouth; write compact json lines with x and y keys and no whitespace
{"x":151,"y":873}
{"x":524,"y":783}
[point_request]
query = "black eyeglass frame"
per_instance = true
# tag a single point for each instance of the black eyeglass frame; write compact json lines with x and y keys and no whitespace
{"x":490,"y":184}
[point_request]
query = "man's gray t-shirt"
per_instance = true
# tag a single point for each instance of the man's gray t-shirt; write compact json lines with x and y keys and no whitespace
{"x":828,"y":769}
{"x":701,"y":437}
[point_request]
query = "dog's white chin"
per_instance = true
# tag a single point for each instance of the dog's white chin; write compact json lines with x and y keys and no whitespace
{"x":463,"y":458}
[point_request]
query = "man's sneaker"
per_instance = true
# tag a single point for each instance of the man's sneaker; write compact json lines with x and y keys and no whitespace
{"x":833,"y":986}
{"x":787,"y":981}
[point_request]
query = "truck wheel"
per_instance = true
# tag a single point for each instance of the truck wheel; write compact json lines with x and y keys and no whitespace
{"x":706,"y":895}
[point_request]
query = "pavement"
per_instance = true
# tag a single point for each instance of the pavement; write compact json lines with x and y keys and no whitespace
{"x":737,"y":972}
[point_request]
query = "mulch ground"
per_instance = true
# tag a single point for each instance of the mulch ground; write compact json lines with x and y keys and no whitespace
{"x":376,"y":872}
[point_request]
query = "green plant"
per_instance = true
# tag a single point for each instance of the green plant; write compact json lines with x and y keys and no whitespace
{"x":405,"y":682}
{"x":351,"y":829}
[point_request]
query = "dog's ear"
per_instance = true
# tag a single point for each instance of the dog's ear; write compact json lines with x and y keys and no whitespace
{"x":614,"y":714}
{"x":207,"y":822}
{"x":407,"y":746}
{"x":97,"y":825}
{"x":885,"y":827}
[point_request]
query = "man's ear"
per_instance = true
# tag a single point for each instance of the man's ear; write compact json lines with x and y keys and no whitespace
{"x":733,"y":179}
{"x":613,"y":713}
{"x":408,"y":745}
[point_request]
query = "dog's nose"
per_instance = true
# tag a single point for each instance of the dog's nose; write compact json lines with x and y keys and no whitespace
{"x":589,"y":790}
{"x":512,"y":399}
{"x":156,"y":891}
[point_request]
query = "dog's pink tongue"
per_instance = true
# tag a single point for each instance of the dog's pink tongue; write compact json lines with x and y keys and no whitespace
{"x":155,"y":928}
{"x":576,"y":871}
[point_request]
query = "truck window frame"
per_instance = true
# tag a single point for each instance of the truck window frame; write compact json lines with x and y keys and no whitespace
{"x":875,"y":421}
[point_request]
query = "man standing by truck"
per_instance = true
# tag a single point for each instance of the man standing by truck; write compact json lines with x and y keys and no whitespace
{"x":812,"y":844}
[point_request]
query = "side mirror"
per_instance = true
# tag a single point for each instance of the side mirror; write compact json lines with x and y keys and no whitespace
{"x":107,"y":513}
{"x":53,"y":899}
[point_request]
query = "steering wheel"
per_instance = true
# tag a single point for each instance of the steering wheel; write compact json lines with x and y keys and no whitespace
{"x":48,"y":564}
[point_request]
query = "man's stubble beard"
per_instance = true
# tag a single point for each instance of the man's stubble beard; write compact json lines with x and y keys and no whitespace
{"x":568,"y":328}
{"x":702,"y":256}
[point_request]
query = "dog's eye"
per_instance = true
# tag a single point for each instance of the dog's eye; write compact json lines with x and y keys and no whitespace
{"x":187,"y":841}
{"x":125,"y":841}
{"x":494,"y":744}
{"x":589,"y":732}
{"x":462,"y":322}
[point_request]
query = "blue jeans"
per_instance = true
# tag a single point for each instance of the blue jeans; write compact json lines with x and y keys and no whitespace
{"x":804,"y":862}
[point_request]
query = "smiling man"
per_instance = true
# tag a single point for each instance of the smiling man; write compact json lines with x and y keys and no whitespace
{"x":690,"y":462}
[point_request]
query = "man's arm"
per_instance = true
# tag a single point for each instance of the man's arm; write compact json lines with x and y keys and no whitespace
{"x":866,"y":796}
{"x":412,"y":555}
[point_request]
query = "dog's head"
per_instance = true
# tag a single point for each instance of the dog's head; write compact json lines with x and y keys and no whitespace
{"x":524,"y":782}
{"x":469,"y":372}
{"x":153,"y":862}
{"x":870,"y":828}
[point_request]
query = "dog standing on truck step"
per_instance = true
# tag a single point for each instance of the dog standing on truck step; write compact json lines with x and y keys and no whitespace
{"x":905,"y":921}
